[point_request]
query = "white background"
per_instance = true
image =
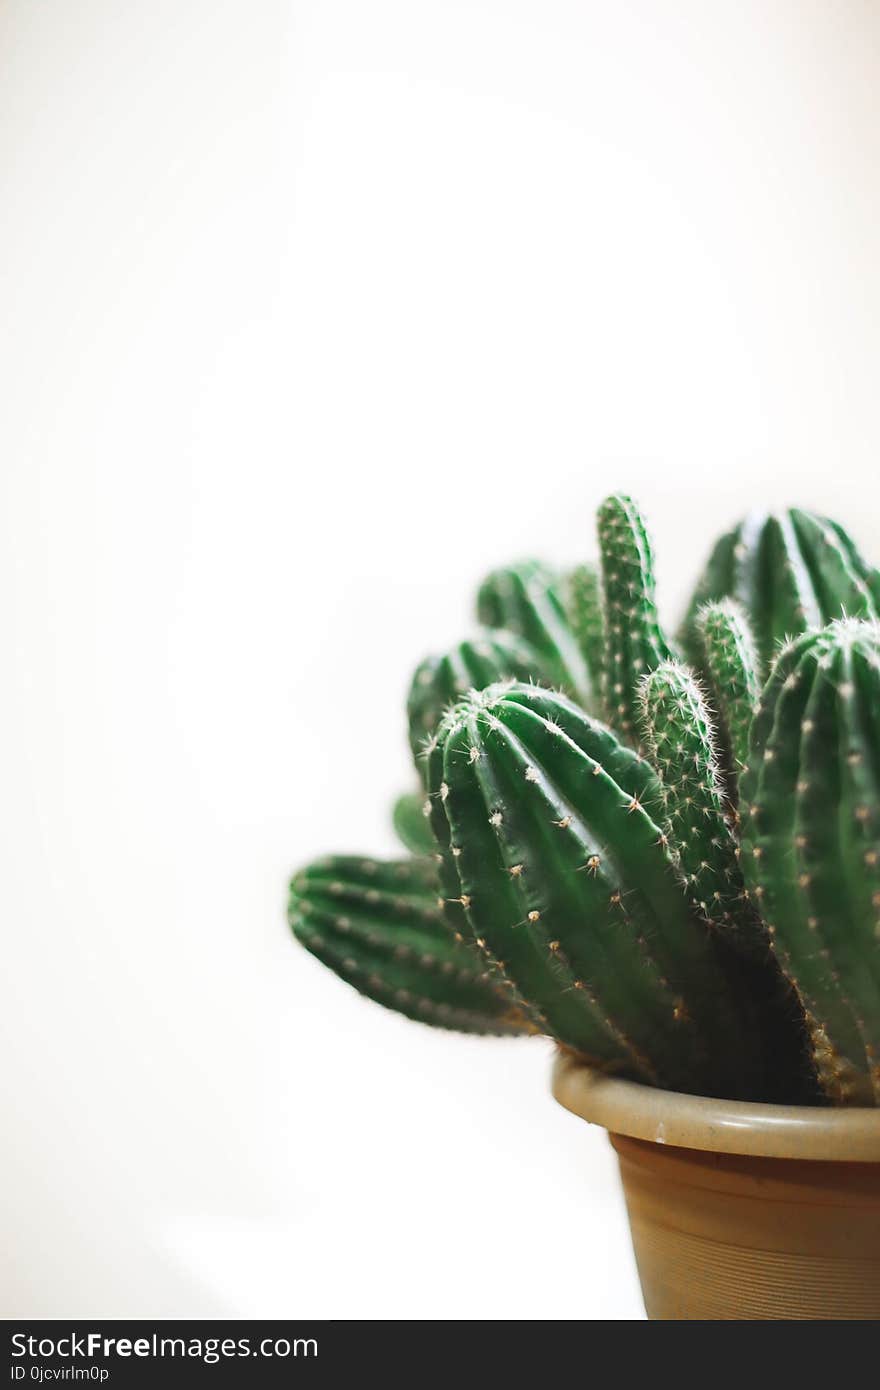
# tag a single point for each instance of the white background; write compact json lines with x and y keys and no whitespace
{"x":310,"y":313}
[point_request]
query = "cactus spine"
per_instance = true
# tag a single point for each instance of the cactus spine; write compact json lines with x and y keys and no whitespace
{"x":477,"y":662}
{"x":635,"y":643}
{"x":811,"y":843}
{"x":527,"y":599}
{"x":790,"y":571}
{"x":552,"y":833}
{"x":730,"y":661}
{"x":379,"y":927}
{"x":410,"y":819}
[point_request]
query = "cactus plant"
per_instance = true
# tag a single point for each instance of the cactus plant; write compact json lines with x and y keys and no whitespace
{"x":552,"y":835}
{"x":731,"y":664}
{"x":811,"y":843}
{"x":378,"y":925}
{"x":409,"y":816}
{"x":703,"y":916}
{"x":478,"y":661}
{"x":528,"y":599}
{"x":791,"y":571}
{"x":635,"y":642}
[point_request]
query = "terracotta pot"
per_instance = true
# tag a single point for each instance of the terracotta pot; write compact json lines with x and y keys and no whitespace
{"x":741,"y":1210}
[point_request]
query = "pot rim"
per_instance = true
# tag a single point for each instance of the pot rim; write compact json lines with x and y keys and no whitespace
{"x":850,"y":1135}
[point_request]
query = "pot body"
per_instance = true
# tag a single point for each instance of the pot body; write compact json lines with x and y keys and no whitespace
{"x":741,"y":1211}
{"x":735,"y":1236}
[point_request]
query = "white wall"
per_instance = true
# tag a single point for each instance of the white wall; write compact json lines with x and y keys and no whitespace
{"x":310,"y":312}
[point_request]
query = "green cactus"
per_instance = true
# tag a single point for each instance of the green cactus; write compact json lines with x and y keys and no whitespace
{"x":706,"y":917}
{"x":634,"y":640}
{"x":730,"y":661}
{"x":409,"y":816}
{"x":680,"y":742}
{"x":791,"y":571}
{"x":810,"y":807}
{"x":479,"y":661}
{"x":584,"y":607}
{"x":380,"y":927}
{"x":553,"y":842}
{"x":528,"y":599}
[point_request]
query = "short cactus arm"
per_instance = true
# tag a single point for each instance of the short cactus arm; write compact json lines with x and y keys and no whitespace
{"x":730,"y":661}
{"x":635,"y":643}
{"x":587,"y":619}
{"x":811,"y":843}
{"x":410,"y":819}
{"x":380,"y":927}
{"x":681,"y":744}
{"x":528,"y":600}
{"x":565,"y":879}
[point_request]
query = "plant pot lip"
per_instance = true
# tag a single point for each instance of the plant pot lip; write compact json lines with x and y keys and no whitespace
{"x":850,"y":1135}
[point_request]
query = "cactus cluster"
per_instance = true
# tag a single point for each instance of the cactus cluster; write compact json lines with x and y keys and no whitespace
{"x":663,"y":853}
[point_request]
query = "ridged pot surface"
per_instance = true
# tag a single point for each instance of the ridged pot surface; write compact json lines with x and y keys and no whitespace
{"x":741,"y":1211}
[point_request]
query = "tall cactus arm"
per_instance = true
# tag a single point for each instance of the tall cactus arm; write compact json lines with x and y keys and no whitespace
{"x":565,"y":879}
{"x":409,"y":816}
{"x":811,"y":843}
{"x":584,"y":605}
{"x":379,"y":927}
{"x":481,"y":660}
{"x":635,"y":643}
{"x":730,"y":661}
{"x":528,"y":599}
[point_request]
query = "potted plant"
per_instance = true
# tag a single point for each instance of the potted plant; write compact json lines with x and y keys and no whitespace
{"x":665,"y":855}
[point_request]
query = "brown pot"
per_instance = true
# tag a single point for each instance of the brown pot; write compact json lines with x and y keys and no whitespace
{"x":741,"y":1210}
